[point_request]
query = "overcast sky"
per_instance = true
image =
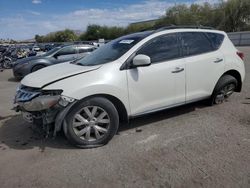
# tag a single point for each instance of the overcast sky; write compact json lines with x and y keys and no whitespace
{"x":22,"y":19}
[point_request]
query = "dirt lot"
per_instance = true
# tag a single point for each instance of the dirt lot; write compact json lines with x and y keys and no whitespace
{"x":189,"y":146}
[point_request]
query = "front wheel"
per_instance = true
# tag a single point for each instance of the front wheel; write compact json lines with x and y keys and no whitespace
{"x":92,"y":123}
{"x":223,"y":89}
{"x":7,"y":64}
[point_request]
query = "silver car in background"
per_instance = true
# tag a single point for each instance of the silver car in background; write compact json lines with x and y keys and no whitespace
{"x":57,"y":55}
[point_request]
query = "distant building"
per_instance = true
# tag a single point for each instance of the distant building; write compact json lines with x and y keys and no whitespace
{"x":146,"y":22}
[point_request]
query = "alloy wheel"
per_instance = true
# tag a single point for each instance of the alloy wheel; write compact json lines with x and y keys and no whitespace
{"x":91,"y":123}
{"x":224,"y":93}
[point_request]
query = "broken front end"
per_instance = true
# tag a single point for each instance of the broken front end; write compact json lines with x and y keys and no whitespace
{"x":46,"y":108}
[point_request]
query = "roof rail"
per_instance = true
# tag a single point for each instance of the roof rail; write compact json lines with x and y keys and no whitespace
{"x":183,"y":27}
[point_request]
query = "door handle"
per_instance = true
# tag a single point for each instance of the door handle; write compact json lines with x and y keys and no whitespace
{"x":178,"y":69}
{"x":218,"y":60}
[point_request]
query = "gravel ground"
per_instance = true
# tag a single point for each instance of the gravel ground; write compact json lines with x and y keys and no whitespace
{"x":189,"y":146}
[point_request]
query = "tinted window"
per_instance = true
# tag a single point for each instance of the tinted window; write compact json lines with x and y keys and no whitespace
{"x":161,"y":48}
{"x":67,"y":51}
{"x":195,"y":43}
{"x":216,"y":39}
{"x":84,"y":50}
{"x":52,"y":51}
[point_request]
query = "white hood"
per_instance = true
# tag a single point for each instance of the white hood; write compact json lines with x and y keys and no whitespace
{"x":53,"y":73}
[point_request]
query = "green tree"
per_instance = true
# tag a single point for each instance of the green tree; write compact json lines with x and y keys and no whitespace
{"x":65,"y":36}
{"x":236,"y":12}
{"x":39,"y":38}
{"x":95,"y":32}
{"x":61,"y":36}
{"x":231,"y":15}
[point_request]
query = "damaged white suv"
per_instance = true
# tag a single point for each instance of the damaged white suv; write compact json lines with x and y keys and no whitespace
{"x":130,"y":76}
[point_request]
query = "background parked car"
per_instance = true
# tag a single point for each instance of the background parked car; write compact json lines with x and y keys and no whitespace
{"x":36,"y":48}
{"x":57,"y":55}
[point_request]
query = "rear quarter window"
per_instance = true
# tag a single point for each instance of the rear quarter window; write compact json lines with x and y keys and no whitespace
{"x":216,"y":39}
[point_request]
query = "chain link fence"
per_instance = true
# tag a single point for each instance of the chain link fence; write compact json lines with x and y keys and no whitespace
{"x":240,"y":38}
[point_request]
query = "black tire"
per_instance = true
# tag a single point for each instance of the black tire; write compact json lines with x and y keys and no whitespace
{"x":219,"y":93}
{"x":37,"y":67}
{"x":7,"y":64}
{"x":82,"y":141}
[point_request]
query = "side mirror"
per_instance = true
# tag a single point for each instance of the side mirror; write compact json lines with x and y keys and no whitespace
{"x":141,"y":60}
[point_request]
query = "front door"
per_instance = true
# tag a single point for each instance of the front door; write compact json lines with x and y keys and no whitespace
{"x":162,"y":84}
{"x":66,"y":54}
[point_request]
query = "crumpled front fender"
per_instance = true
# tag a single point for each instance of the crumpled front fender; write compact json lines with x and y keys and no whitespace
{"x":61,"y":116}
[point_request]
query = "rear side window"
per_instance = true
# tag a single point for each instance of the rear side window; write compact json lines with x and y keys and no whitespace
{"x":216,"y":39}
{"x":194,"y":43}
{"x":161,"y":48}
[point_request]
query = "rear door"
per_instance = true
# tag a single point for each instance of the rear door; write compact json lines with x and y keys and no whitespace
{"x":204,"y":64}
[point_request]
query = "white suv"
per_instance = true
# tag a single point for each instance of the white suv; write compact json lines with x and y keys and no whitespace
{"x":131,"y":76}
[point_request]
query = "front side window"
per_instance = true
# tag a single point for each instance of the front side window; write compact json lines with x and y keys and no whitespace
{"x":67,"y":51}
{"x":52,"y":51}
{"x":195,"y":43}
{"x":84,"y":50}
{"x":162,"y":48}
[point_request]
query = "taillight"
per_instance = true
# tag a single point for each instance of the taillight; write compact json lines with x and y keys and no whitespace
{"x":241,"y":55}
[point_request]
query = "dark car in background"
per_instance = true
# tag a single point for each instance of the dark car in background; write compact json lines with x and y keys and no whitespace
{"x":57,"y":55}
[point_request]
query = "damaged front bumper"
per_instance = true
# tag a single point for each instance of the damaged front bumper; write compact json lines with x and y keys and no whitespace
{"x":45,"y":108}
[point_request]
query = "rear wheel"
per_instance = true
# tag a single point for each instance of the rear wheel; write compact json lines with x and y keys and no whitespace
{"x":37,"y":67}
{"x":223,"y":89}
{"x":92,"y":123}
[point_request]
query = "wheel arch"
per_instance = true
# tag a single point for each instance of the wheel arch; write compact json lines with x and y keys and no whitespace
{"x":237,"y":76}
{"x":38,"y":64}
{"x":120,"y":107}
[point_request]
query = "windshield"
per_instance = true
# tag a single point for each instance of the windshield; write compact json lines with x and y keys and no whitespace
{"x":51,"y":51}
{"x":112,"y":50}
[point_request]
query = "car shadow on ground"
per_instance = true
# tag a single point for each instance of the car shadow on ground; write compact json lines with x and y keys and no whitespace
{"x":15,"y":133}
{"x":138,"y":122}
{"x":12,"y":79}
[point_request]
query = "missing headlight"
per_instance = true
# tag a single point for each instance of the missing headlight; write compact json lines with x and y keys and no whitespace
{"x":64,"y":101}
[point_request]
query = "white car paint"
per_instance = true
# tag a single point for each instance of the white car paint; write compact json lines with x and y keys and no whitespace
{"x":53,"y":73}
{"x":144,"y":89}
